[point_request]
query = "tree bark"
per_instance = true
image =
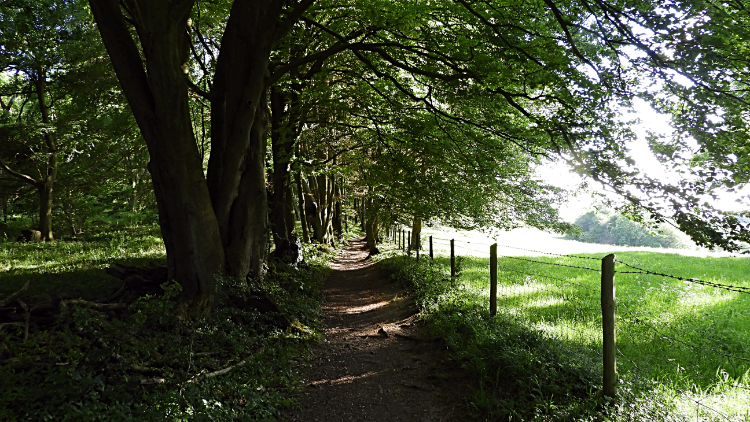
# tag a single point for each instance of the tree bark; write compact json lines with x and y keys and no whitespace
{"x":312,"y":209}
{"x":371,"y":231}
{"x":416,"y":233}
{"x":215,"y":223}
{"x":159,"y":101}
{"x":282,"y":148}
{"x":337,"y":226}
{"x":45,"y":185}
{"x":248,"y":238}
{"x":302,"y":213}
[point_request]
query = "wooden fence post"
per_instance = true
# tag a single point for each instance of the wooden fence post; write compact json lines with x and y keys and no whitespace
{"x":608,"y":325}
{"x":431,"y":257}
{"x":493,"y":279}
{"x":408,"y":243}
{"x":402,"y":239}
{"x":453,"y":263}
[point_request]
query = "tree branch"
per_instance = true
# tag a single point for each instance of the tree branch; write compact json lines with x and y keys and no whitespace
{"x":20,"y":176}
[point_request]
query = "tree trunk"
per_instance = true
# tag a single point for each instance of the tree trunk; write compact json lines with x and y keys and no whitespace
{"x":46,"y":184}
{"x":363,"y":217}
{"x":312,"y":214}
{"x":337,"y":226}
{"x":416,"y":233}
{"x":371,"y":231}
{"x":216,"y":223}
{"x":159,"y":103}
{"x":302,"y":213}
{"x":282,"y":148}
{"x":248,"y":238}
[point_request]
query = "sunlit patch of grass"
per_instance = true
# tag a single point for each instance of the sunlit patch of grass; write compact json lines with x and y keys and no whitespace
{"x":76,"y":267}
{"x":675,"y":338}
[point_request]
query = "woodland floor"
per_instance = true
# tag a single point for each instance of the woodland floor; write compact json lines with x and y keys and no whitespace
{"x":375,"y":363}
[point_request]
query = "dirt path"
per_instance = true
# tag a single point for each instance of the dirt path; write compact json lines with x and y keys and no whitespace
{"x":373,"y":364}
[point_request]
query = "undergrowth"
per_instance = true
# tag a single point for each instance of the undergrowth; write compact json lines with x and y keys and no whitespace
{"x":145,"y":364}
{"x":530,"y":366}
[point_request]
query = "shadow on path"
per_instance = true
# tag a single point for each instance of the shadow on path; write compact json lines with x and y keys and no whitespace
{"x":372,"y":364}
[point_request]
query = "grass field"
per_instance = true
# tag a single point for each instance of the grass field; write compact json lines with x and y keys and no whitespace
{"x":683,"y":348}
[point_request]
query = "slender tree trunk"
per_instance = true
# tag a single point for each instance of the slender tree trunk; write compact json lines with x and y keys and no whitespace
{"x":337,"y":226}
{"x":363,"y":217}
{"x":416,"y":233}
{"x":282,"y":148}
{"x":302,"y":213}
{"x":46,"y":184}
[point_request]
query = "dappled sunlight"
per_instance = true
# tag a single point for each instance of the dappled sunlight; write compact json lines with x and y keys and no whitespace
{"x":347,"y":379}
{"x":366,"y":308}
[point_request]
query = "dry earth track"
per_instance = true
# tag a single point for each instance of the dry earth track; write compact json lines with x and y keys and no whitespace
{"x":374,"y":363}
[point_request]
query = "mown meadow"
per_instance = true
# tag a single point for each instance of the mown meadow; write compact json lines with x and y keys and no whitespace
{"x":683,"y":348}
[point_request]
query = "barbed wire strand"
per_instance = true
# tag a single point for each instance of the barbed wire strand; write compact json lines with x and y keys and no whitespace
{"x":549,"y":263}
{"x":628,"y":359}
{"x":642,"y":321}
{"x":738,"y":289}
{"x":547,"y":276}
{"x":550,"y":253}
{"x":474,"y":243}
{"x":523,"y":249}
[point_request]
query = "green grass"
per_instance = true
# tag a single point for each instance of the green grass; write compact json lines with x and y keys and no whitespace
{"x":89,"y":365}
{"x":76,"y":267}
{"x":539,"y":359}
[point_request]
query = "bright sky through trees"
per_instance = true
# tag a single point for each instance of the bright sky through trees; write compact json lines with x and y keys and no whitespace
{"x":559,"y":174}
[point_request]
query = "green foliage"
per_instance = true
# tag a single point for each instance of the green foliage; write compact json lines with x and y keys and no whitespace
{"x":619,"y":230}
{"x":99,"y":164}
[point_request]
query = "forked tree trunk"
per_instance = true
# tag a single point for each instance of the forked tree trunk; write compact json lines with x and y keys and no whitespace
{"x":216,"y":224}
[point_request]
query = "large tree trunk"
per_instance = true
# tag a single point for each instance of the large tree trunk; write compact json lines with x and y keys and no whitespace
{"x":248,"y":239}
{"x":158,"y":99}
{"x":218,"y":223}
{"x":312,"y":209}
{"x":371,"y":231}
{"x":237,"y":92}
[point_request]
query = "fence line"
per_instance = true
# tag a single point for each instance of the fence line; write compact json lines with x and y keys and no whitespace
{"x":466,"y":245}
{"x":738,"y":289}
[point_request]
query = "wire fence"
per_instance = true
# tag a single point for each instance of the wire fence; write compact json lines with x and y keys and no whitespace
{"x":650,"y":340}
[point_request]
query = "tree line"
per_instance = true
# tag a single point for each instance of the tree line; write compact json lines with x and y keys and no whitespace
{"x":615,"y":229}
{"x":240,"y":120}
